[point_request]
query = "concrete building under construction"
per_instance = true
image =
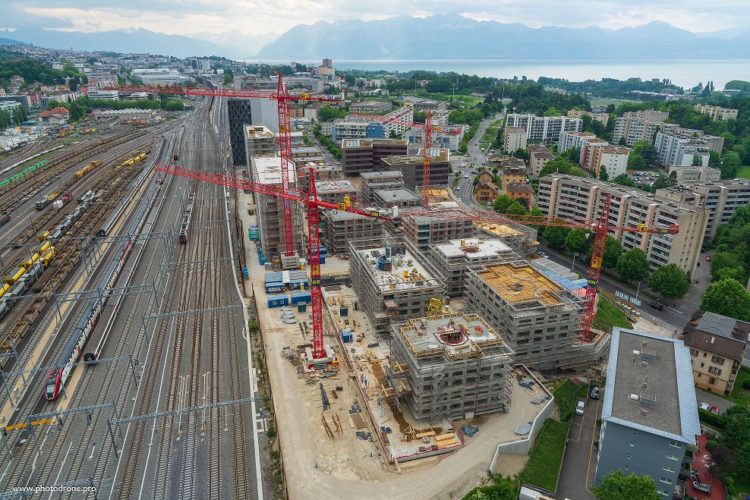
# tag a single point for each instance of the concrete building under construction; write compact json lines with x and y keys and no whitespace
{"x":454,"y":258}
{"x":260,"y":141}
{"x":380,"y":180}
{"x":342,"y":227}
{"x":455,"y":366}
{"x":392,"y":283}
{"x":522,"y":239}
{"x":424,"y":231}
{"x":334,"y":191}
{"x":538,"y":317}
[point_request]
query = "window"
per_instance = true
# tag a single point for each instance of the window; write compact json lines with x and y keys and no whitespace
{"x":711,"y":380}
{"x":693,"y":352}
{"x":717,"y":359}
{"x":628,"y":456}
{"x":674,"y":444}
{"x":713,"y":370}
{"x":667,"y":468}
{"x":665,"y":480}
{"x":632,"y":445}
{"x":672,"y":457}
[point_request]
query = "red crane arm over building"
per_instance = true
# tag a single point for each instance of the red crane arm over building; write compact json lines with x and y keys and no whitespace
{"x":314,"y":205}
{"x":599,"y":227}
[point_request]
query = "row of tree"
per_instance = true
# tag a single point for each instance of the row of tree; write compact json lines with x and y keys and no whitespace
{"x":326,"y":141}
{"x":12,"y":117}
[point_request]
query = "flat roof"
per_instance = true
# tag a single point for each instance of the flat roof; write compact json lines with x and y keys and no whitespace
{"x":517,"y":283}
{"x":650,"y":385}
{"x":306,"y":149}
{"x":267,"y":170}
{"x":337,"y":215}
{"x":396,"y":195}
{"x":456,"y":336}
{"x":258,"y":132}
{"x":472,"y":248}
{"x":342,"y":186}
{"x":406,"y":271}
{"x":382,"y":174}
{"x":498,"y":229}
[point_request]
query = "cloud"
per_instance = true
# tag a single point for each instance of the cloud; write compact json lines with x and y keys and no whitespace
{"x":258,"y":17}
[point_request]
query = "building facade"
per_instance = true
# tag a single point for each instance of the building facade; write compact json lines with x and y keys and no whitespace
{"x":543,"y":128}
{"x":340,"y":228}
{"x":577,"y":198}
{"x":635,"y":126}
{"x":716,"y":112}
{"x":365,"y":155}
{"x":411,"y":167}
{"x":538,"y":158}
{"x":649,"y":411}
{"x":240,"y":115}
{"x":514,"y":138}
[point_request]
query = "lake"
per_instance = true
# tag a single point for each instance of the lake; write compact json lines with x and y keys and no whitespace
{"x":685,"y":73}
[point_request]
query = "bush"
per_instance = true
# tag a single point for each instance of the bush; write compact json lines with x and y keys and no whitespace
{"x":746,"y":384}
{"x":711,"y":419}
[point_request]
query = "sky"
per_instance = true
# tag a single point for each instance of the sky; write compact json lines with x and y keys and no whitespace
{"x":218,"y":19}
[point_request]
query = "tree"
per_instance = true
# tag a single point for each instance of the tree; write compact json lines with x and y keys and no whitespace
{"x":603,"y":175}
{"x":633,"y":265}
{"x":617,"y":486}
{"x":501,"y":203}
{"x":636,"y":161}
{"x":612,"y":252}
{"x":624,"y":180}
{"x":714,"y":159}
{"x":502,"y":488}
{"x":730,"y":164}
{"x":556,"y":236}
{"x":697,"y":160}
{"x":727,"y":297}
{"x":516,"y":208}
{"x":736,"y":435}
{"x":670,"y":281}
{"x":725,"y":260}
{"x":577,"y":240}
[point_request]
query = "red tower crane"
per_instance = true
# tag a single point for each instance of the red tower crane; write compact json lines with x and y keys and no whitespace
{"x":314,"y":205}
{"x":426,"y":159}
{"x":282,"y":97}
{"x":599,"y":227}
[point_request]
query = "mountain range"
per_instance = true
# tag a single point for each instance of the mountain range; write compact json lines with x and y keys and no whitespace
{"x":451,"y":36}
{"x":445,"y":36}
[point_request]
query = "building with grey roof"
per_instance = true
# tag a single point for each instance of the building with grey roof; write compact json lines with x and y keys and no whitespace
{"x":342,"y":227}
{"x":382,"y":179}
{"x":395,"y":197}
{"x":649,"y":411}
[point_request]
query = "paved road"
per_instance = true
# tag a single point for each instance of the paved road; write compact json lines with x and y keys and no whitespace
{"x":475,"y":160}
{"x":579,"y":461}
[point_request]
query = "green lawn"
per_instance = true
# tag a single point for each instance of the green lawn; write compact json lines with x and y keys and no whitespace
{"x":740,"y":395}
{"x":566,"y":395}
{"x":743,"y":172}
{"x":544,"y":462}
{"x":488,"y":139}
{"x":609,"y":316}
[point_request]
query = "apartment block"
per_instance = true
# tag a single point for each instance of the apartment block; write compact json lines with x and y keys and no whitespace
{"x":573,"y":140}
{"x":340,"y":228}
{"x":240,"y":115}
{"x":365,"y":155}
{"x":680,"y":146}
{"x":685,"y":174}
{"x":649,"y":410}
{"x":269,"y":209}
{"x":392,"y":283}
{"x":635,"y":126}
{"x":514,"y":138}
{"x":411,"y":167}
{"x":538,"y":318}
{"x":717,"y":347}
{"x":383,"y":179}
{"x":543,"y":128}
{"x":444,"y":136}
{"x":577,"y":198}
{"x":259,"y":141}
{"x":454,"y":366}
{"x":591,"y":154}
{"x":423,"y":231}
{"x":716,"y":112}
{"x":614,"y":159}
{"x":538,"y":158}
{"x":375,"y":107}
{"x":596,"y":116}
{"x":453,"y":258}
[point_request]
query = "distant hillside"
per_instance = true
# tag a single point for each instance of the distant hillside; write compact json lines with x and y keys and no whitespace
{"x":8,"y":41}
{"x":456,"y":37}
{"x":137,"y":41}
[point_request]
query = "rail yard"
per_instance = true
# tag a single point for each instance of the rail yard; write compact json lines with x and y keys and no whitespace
{"x":119,"y":311}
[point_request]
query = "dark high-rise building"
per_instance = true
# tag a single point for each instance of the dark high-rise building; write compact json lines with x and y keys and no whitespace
{"x":239,"y":116}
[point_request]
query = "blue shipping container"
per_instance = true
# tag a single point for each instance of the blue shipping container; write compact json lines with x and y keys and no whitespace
{"x":278,"y":300}
{"x":245,"y":272}
{"x":347,"y":336}
{"x":301,"y":298}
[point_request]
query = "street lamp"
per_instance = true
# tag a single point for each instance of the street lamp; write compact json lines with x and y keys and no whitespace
{"x":573,"y":264}
{"x":638,"y":290}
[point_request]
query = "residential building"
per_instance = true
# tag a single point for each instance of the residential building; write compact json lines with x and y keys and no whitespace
{"x":578,"y":198}
{"x":421,"y":104}
{"x":521,"y":191}
{"x":717,"y":347}
{"x":423,"y":231}
{"x":240,"y":115}
{"x":453,"y":258}
{"x":411,"y":167}
{"x":365,"y":155}
{"x":340,"y":228}
{"x":591,"y":154}
{"x":383,"y":179}
{"x":269,"y":209}
{"x":160,"y":76}
{"x":543,"y":128}
{"x":635,"y":126}
{"x":538,"y":317}
{"x":513,"y":175}
{"x":573,"y":140}
{"x":12,"y":107}
{"x":485,"y":191}
{"x":514,"y":138}
{"x":374,"y":107}
{"x":614,"y":159}
{"x":445,"y":136}
{"x":719,"y":198}
{"x":716,"y":112}
{"x":596,"y":116}
{"x":61,"y":97}
{"x":538,"y":158}
{"x":649,"y":410}
{"x":392,"y":283}
{"x":344,"y":128}
{"x":454,"y":366}
{"x":259,"y":141}
{"x":23,"y":100}
{"x":679,"y":146}
{"x":684,"y":174}
{"x":254,"y":82}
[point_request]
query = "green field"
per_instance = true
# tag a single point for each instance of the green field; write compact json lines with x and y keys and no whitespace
{"x":609,"y":316}
{"x":488,"y":139}
{"x":740,"y":395}
{"x":743,"y":172}
{"x":544,"y":462}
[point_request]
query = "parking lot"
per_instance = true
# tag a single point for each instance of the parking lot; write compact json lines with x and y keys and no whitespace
{"x":579,"y":461}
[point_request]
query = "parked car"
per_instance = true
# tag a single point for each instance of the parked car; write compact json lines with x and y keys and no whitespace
{"x":715,"y":410}
{"x":543,"y":255}
{"x":594,"y":392}
{"x":704,"y":406}
{"x":708,"y":258}
{"x":579,"y":407}
{"x":657,"y":306}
